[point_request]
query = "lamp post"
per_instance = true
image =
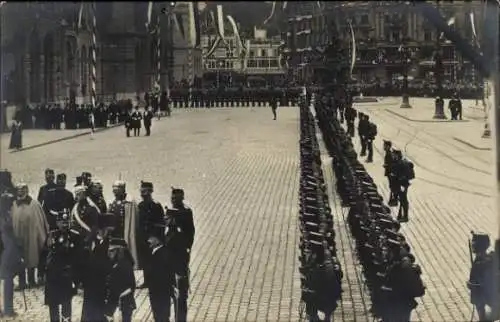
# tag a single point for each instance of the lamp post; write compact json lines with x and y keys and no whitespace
{"x":438,"y":74}
{"x":405,"y":57}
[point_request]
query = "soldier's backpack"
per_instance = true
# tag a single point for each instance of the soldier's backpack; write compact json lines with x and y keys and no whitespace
{"x":414,"y":285}
{"x":410,"y":169}
{"x":372,"y":130}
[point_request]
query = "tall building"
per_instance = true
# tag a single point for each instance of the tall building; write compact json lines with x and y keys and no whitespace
{"x":46,"y":58}
{"x":256,"y":65}
{"x":382,"y":31}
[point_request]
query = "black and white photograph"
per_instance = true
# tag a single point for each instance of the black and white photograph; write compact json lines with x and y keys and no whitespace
{"x":291,"y":161}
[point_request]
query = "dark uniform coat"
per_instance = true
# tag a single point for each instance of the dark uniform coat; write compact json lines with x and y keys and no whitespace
{"x":62,"y":268}
{"x":95,"y":278}
{"x":151,"y":223}
{"x":180,"y":236}
{"x":120,"y":284}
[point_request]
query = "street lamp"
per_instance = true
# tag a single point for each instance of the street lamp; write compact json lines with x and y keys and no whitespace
{"x":406,"y":58}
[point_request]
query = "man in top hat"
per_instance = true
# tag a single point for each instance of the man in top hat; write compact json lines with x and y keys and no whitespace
{"x":161,"y":278}
{"x":120,"y":282}
{"x":62,"y":268}
{"x":31,"y":228}
{"x":126,"y":219}
{"x":96,"y":272}
{"x":151,"y":222}
{"x":179,"y":240}
{"x":148,"y":117}
{"x":136,"y":117}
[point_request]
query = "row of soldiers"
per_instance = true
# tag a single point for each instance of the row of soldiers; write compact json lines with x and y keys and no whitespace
{"x":233,"y":98}
{"x":321,"y":274}
{"x":393,"y":278}
{"x":398,"y":170}
{"x":84,"y":242}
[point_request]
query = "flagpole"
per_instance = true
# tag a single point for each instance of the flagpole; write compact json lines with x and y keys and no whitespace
{"x":93,"y":97}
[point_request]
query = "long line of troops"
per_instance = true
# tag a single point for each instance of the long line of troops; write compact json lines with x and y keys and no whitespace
{"x":81,"y":242}
{"x":51,"y":116}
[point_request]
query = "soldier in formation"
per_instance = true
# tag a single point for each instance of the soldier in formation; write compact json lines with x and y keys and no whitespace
{"x":320,"y":270}
{"x":232,"y":97}
{"x":393,"y":277}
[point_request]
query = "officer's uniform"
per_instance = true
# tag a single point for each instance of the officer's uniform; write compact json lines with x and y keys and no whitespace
{"x":151,"y":223}
{"x":63,"y":271}
{"x":179,"y":237}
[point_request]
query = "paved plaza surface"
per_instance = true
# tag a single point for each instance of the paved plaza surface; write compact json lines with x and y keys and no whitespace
{"x":240,"y":170}
{"x":451,"y":195}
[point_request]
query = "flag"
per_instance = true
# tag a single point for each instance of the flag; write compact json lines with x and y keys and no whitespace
{"x":80,"y":15}
{"x":220,"y":21}
{"x":194,"y":25}
{"x":353,"y":54}
{"x":149,"y":13}
{"x":235,"y":32}
{"x":272,"y":13}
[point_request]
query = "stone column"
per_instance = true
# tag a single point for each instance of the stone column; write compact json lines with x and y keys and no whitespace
{"x":26,"y":78}
{"x":43,"y":76}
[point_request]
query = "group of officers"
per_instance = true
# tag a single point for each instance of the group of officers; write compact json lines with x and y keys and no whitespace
{"x":97,"y":247}
{"x":393,"y":278}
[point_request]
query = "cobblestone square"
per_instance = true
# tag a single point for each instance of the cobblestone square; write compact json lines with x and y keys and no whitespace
{"x":240,"y":172}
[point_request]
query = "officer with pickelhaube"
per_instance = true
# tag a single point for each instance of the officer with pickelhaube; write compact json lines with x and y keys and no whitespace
{"x":62,"y":269}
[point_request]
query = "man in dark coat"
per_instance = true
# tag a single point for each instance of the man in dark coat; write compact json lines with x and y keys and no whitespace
{"x":97,"y":268}
{"x":120,"y":282}
{"x":161,"y":279}
{"x":136,"y":121}
{"x":148,"y":117}
{"x":151,"y":222}
{"x":62,"y":270}
{"x":49,"y":185}
{"x":179,"y":240}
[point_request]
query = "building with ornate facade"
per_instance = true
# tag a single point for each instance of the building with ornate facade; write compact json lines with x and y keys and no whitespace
{"x":258,"y":65}
{"x":47,"y":58}
{"x":383,"y":30}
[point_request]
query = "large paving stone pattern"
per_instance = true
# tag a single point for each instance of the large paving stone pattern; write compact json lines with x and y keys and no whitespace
{"x":240,"y":172}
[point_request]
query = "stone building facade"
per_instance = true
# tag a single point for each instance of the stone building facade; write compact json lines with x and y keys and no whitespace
{"x":261,"y":65}
{"x":46,"y":59}
{"x":381,"y":28}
